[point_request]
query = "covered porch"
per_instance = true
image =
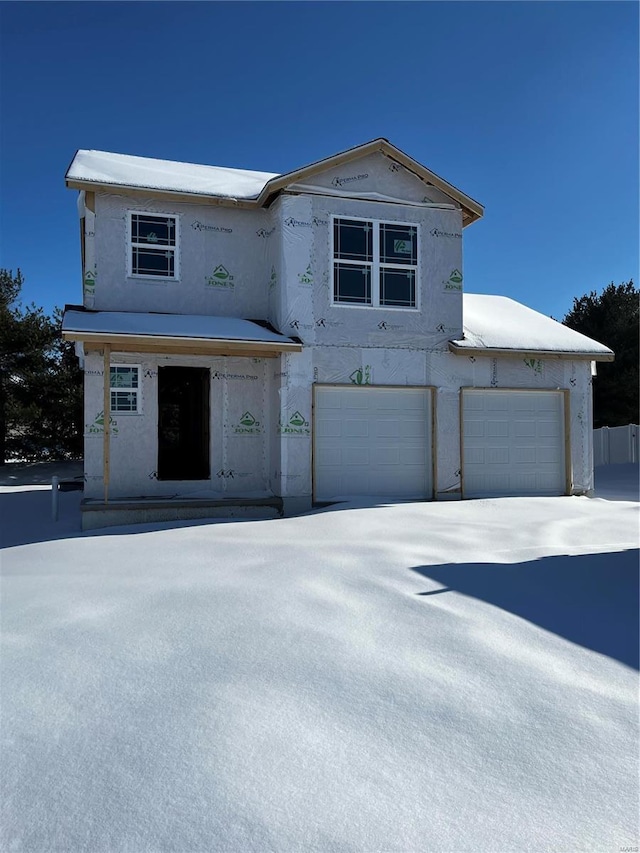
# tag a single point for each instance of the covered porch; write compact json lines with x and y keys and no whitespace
{"x":180,"y":415}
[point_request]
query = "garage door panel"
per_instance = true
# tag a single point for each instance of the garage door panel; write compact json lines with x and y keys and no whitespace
{"x":546,"y":484}
{"x":525,"y":483}
{"x":522,"y":403}
{"x":475,"y":404}
{"x":549,"y":456}
{"x":498,"y":404}
{"x":410,"y":404}
{"x":547,"y":429}
{"x":356,"y":429}
{"x":355,"y":404}
{"x":332,"y":400}
{"x":329,"y":428}
{"x":411,"y":428}
{"x":328,"y":456}
{"x":495,"y":429}
{"x":386,"y":429}
{"x":498,"y":456}
{"x":474,"y":429}
{"x":525,"y":455}
{"x":413,"y":456}
{"x":548,"y":404}
{"x":513,"y":443}
{"x":494,"y":483}
{"x":525,"y":429}
{"x":475,"y":456}
{"x":386,"y":402}
{"x":359,"y":479}
{"x":383,"y":451}
{"x":388,"y":456}
{"x":355,"y":456}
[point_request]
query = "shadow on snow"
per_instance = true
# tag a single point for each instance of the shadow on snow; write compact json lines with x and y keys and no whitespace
{"x":589,"y":599}
{"x":25,"y":519}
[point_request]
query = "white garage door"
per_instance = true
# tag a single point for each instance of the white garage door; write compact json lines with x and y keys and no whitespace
{"x":513,"y":443}
{"x":372,"y":441}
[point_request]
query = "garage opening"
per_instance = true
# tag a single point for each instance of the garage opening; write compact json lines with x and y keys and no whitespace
{"x":372,"y":441}
{"x":513,"y":443}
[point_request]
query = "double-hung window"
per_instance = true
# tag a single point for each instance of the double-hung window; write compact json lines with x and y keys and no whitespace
{"x":375,"y":263}
{"x":153,"y":245}
{"x":124,"y":385}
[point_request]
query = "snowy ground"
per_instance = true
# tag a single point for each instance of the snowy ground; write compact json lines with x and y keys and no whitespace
{"x":411,"y":677}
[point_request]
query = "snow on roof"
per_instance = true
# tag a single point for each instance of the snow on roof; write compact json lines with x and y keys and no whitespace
{"x":102,"y":167}
{"x":168,"y":325}
{"x":497,"y":322}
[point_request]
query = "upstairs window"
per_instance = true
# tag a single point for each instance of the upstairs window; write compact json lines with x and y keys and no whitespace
{"x":153,"y":245}
{"x":375,"y":263}
{"x":124,"y":386}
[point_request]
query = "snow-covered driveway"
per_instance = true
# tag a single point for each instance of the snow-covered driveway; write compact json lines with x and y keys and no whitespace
{"x":413,"y":677}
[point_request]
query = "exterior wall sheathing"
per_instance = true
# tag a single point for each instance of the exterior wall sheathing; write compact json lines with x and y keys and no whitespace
{"x":261,"y":416}
{"x":276,"y":264}
{"x":225,"y":259}
{"x":240,"y":430}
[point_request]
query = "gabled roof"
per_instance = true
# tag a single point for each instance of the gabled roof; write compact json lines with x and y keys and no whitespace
{"x":471,"y":210}
{"x":497,"y":325}
{"x":90,"y":169}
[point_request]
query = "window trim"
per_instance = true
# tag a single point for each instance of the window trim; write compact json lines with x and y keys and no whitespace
{"x":137,"y":391}
{"x":130,"y":245}
{"x":375,"y":265}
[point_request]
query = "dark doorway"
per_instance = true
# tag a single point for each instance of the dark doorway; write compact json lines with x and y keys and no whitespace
{"x":183,"y":423}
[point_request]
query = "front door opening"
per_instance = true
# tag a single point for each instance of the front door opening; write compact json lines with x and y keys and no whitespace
{"x":183,"y":423}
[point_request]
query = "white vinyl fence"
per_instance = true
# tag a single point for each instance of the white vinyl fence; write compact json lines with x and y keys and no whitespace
{"x":616,"y":445}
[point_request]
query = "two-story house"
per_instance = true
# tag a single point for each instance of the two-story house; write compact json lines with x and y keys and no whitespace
{"x":257,"y":342}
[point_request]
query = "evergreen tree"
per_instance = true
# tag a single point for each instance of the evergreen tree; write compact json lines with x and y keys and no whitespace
{"x":40,"y":382}
{"x":63,"y":427}
{"x":612,"y":319}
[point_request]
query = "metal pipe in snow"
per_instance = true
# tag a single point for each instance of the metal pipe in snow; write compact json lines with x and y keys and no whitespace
{"x":55,"y":481}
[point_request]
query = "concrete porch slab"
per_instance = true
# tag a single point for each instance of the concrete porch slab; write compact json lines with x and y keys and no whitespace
{"x":96,"y":513}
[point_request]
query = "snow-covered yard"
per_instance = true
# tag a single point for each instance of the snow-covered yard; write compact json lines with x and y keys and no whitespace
{"x":410,"y":677}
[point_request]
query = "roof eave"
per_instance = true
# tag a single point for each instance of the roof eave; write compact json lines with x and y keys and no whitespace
{"x":167,"y":343}
{"x":205,"y":198}
{"x":495,"y":352}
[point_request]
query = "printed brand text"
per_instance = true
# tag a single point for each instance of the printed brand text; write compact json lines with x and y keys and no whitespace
{"x":494,"y":372}
{"x":339,"y":182}
{"x":296,"y":223}
{"x":218,"y":375}
{"x":200,"y":226}
{"x":435,"y":232}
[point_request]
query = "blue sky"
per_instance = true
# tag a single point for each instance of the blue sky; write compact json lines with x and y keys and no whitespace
{"x":530,"y":108}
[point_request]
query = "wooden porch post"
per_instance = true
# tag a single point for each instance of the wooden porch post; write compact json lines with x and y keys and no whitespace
{"x":106,"y":376}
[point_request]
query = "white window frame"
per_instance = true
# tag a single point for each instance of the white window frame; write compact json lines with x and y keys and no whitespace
{"x":137,"y":391}
{"x":375,"y":265}
{"x":130,"y":245}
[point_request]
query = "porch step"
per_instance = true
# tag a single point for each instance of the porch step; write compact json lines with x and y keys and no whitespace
{"x":97,"y":513}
